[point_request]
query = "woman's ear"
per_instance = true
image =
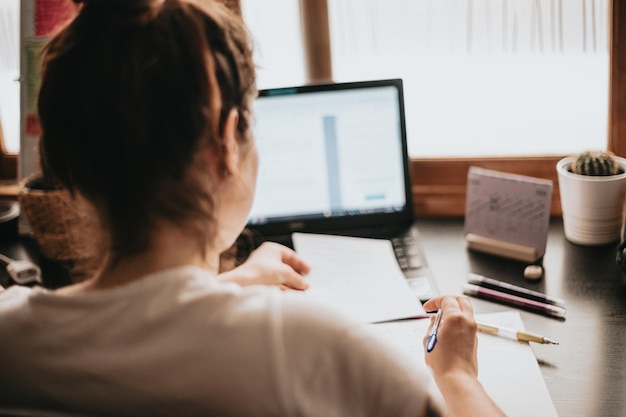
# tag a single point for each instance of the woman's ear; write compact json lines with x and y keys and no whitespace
{"x":230,"y":150}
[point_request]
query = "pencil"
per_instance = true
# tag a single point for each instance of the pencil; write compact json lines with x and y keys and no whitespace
{"x":493,"y":284}
{"x":501,"y":297}
{"x":521,"y":335}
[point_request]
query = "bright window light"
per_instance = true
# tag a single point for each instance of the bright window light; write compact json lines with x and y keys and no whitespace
{"x":482,"y":77}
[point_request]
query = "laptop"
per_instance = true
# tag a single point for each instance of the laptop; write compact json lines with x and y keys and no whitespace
{"x":334,"y":160}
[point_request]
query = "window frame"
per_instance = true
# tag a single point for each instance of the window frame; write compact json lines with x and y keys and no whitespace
{"x":439,"y":184}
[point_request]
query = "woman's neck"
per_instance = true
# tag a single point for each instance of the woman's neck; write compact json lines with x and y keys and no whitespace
{"x":169,"y":248}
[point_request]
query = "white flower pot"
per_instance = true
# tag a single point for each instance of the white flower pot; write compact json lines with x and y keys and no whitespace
{"x":592,"y":206}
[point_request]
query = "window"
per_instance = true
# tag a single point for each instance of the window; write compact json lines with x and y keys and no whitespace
{"x":517,"y":77}
{"x":9,"y":74}
{"x":278,"y":50}
{"x":9,"y":91}
{"x":484,"y":78}
{"x":440,"y":176}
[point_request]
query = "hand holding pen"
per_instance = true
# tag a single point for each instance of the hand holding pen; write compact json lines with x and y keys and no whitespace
{"x":452,"y":356}
{"x":456,"y":342}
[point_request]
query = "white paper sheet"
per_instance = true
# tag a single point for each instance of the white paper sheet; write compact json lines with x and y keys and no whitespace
{"x":357,"y":276}
{"x":507,"y":368}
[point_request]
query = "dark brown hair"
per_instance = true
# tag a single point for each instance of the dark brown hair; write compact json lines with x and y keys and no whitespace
{"x":130,"y":90}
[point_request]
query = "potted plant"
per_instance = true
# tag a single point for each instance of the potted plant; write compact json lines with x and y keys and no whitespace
{"x":592,"y":185}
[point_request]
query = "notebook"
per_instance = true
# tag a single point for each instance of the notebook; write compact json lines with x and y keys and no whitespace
{"x":334,"y":160}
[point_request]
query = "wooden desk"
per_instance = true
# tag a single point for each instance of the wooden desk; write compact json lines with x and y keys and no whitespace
{"x":585,"y":374}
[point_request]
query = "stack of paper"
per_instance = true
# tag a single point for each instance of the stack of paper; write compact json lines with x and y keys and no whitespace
{"x":360,"y":277}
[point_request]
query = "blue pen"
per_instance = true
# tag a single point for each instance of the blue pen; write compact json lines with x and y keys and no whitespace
{"x":432,"y":338}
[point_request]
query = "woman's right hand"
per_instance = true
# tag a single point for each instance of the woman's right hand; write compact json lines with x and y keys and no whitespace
{"x":454,"y":361}
{"x":457,"y":342}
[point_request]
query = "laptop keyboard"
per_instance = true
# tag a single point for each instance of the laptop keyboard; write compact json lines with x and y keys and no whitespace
{"x":407,"y":253}
{"x":415,"y":269}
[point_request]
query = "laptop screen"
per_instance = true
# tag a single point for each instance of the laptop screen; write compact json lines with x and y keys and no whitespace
{"x":331,"y":156}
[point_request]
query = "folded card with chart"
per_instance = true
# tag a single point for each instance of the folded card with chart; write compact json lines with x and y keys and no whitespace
{"x":507,"y":214}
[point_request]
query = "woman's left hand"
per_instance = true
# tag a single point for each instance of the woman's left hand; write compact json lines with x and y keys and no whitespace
{"x":270,"y":264}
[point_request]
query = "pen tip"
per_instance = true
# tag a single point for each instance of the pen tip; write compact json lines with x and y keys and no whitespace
{"x":550,"y":341}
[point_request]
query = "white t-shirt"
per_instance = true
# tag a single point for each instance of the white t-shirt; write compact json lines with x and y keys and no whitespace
{"x":179,"y":342}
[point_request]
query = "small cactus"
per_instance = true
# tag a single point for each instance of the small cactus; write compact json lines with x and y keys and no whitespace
{"x":595,"y":163}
